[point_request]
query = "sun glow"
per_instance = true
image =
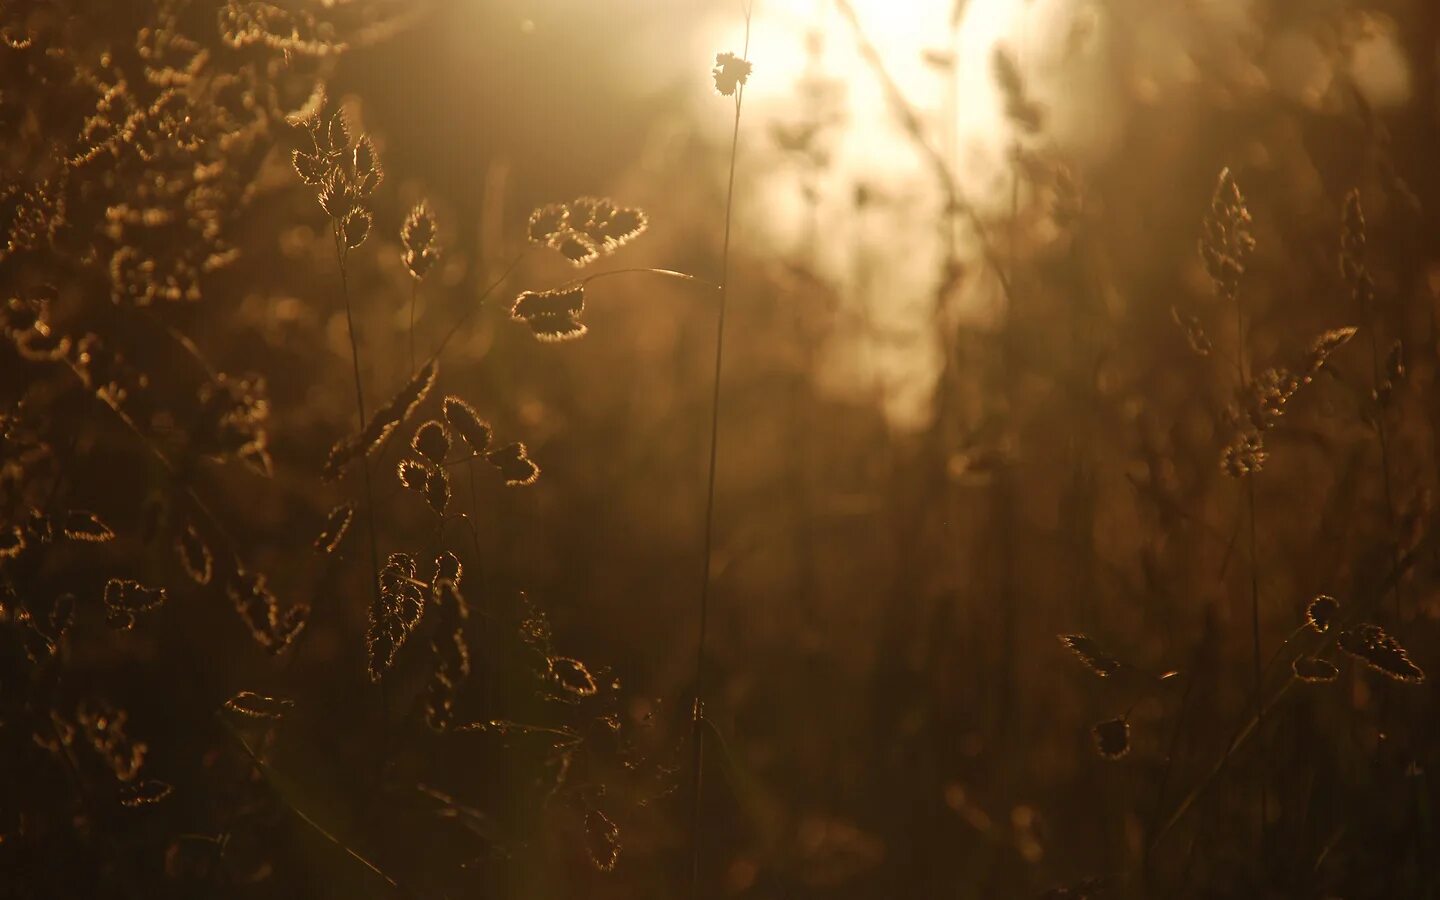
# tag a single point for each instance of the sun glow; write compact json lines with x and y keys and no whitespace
{"x":827,"y":108}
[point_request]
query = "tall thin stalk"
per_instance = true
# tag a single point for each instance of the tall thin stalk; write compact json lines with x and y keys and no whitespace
{"x":1254,"y":543}
{"x":414,"y":292}
{"x":1362,"y":290}
{"x":698,"y":710}
{"x":1225,"y":248}
{"x":341,"y":253}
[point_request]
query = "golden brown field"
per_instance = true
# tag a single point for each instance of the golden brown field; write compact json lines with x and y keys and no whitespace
{"x":751,"y":449}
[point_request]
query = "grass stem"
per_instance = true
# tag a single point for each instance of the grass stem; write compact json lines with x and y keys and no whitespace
{"x":697,"y":761}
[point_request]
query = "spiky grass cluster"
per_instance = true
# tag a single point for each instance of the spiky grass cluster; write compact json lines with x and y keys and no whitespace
{"x":586,"y":228}
{"x":427,"y":473}
{"x":343,"y":169}
{"x":552,"y":315}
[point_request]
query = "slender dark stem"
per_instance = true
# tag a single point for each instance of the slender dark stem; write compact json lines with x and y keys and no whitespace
{"x":319,"y":829}
{"x":475,"y":307}
{"x":1254,"y":571}
{"x":1255,"y":644}
{"x":414,"y":291}
{"x":1384,"y":438}
{"x":698,"y":710}
{"x":341,"y":253}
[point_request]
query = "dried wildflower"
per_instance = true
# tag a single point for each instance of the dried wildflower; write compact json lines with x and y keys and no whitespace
{"x":730,"y":73}
{"x":12,"y":541}
{"x":1226,"y":242}
{"x":602,"y":839}
{"x":108,"y":373}
{"x":1112,"y":738}
{"x":335,"y":138}
{"x":125,"y":599}
{"x":47,"y":627}
{"x":1320,"y":612}
{"x":412,"y":474}
{"x":1090,"y":653}
{"x":432,"y":442}
{"x":437,"y":489}
{"x":356,"y":228}
{"x":14,"y":37}
{"x":586,"y":228}
{"x":62,"y":615}
{"x":79,"y":525}
{"x":1314,"y":670}
{"x":473,"y":430}
{"x":39,"y":528}
{"x":311,"y":167}
{"x":31,"y":215}
{"x":553,"y":315}
{"x":286,"y":626}
{"x":1373,"y":646}
{"x":447,"y":568}
{"x":44,"y":629}
{"x":272,"y":629}
{"x":104,"y":728}
{"x":1262,"y":401}
{"x":337,"y":524}
{"x":1321,"y":349}
{"x":20,"y":314}
{"x":169,"y":275}
{"x":547,"y":221}
{"x":607,"y":225}
{"x":514,"y":463}
{"x":452,"y":666}
{"x":576,"y":247}
{"x":27,"y":322}
{"x":417,"y":236}
{"x":259,"y":706}
{"x":234,"y":419}
{"x":32,"y":636}
{"x":448,"y":648}
{"x":385,"y":420}
{"x":1194,"y":331}
{"x":144,"y":793}
{"x":395,"y":614}
{"x":41,"y":345}
{"x":1245,"y":455}
{"x":250,"y":23}
{"x":572,"y":676}
{"x":365,"y":164}
{"x":194,"y":555}
{"x":338,"y":196}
